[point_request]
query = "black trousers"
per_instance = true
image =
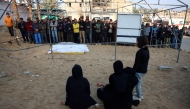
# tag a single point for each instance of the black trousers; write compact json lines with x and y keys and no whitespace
{"x":110,"y":36}
{"x":98,"y":38}
{"x":104,"y":37}
{"x":24,"y":35}
{"x":65,"y":36}
{"x":76,"y":37}
{"x":87,"y":35}
{"x":11,"y":30}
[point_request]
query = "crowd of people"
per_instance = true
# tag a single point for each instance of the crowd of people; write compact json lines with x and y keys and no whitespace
{"x":162,"y":35}
{"x":64,"y":30}
{"x":118,"y":93}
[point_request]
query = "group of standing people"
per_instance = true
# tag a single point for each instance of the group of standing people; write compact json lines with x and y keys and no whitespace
{"x":118,"y":93}
{"x":162,"y":35}
{"x":63,"y":30}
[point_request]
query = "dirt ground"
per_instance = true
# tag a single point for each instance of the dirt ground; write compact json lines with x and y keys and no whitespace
{"x":44,"y":87}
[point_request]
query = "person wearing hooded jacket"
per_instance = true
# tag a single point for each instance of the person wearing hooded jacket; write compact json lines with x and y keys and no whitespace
{"x":78,"y":90}
{"x":118,"y":93}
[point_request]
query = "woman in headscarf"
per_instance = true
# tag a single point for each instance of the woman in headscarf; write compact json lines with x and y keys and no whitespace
{"x":78,"y":90}
{"x":118,"y":93}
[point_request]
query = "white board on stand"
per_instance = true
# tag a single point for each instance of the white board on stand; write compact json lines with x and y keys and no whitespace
{"x":128,"y":27}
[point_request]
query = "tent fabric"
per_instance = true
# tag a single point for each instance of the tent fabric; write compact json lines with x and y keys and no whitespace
{"x":69,"y":48}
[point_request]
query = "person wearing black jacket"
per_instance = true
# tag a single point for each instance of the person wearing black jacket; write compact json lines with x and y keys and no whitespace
{"x":168,"y":36}
{"x":141,"y":63}
{"x":93,"y":31}
{"x":162,"y":35}
{"x":22,"y":27}
{"x":110,"y":31}
{"x":78,"y":90}
{"x":81,"y":30}
{"x":87,"y":31}
{"x":104,"y":28}
{"x":69,"y":30}
{"x":118,"y":93}
{"x":60,"y":27}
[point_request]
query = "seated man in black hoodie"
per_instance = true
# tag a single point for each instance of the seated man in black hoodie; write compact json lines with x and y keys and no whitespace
{"x":78,"y":91}
{"x":118,"y":93}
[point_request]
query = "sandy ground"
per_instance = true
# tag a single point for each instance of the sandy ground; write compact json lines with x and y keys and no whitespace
{"x":161,"y":89}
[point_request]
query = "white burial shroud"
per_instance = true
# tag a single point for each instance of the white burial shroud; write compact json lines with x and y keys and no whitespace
{"x":69,"y":47}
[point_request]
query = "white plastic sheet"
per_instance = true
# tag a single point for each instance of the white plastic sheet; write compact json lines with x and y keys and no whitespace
{"x":69,"y":47}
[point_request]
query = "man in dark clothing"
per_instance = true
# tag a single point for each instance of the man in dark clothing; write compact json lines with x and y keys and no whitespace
{"x":104,"y":27}
{"x":162,"y":35}
{"x":69,"y":30}
{"x":81,"y":30}
{"x":110,"y":31}
{"x":78,"y":90}
{"x":93,"y":31}
{"x":118,"y":93}
{"x":22,"y":27}
{"x":87,"y":31}
{"x":64,"y":29}
{"x":28,"y":25}
{"x":43,"y":28}
{"x":36,"y":29}
{"x":60,"y":30}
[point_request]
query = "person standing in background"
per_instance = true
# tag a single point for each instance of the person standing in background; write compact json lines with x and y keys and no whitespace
{"x":53,"y":26}
{"x":81,"y":30}
{"x":43,"y":28}
{"x":168,"y":36}
{"x":175,"y":37}
{"x":36,"y":29}
{"x":87,"y":30}
{"x":9,"y":23}
{"x":65,"y":30}
{"x":60,"y":30}
{"x":147,"y":31}
{"x":114,"y":31}
{"x":104,"y":30}
{"x":22,"y":27}
{"x":69,"y":28}
{"x":93,"y":31}
{"x":154,"y":35}
{"x":76,"y":31}
{"x":110,"y":31}
{"x":98,"y":32}
{"x":162,"y":35}
{"x":28,"y":25}
{"x":141,"y":64}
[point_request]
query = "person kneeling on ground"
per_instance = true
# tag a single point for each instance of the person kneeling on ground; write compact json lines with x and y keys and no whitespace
{"x":118,"y":93}
{"x":78,"y":91}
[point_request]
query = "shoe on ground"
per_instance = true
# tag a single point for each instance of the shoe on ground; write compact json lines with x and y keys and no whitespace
{"x":136,"y":98}
{"x":135,"y":94}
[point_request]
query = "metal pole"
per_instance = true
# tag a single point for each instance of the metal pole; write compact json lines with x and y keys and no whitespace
{"x":158,"y":2}
{"x":116,"y":34}
{"x":49,"y":35}
{"x":179,"y":49}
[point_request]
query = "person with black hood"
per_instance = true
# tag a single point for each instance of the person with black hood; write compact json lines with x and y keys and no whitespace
{"x":141,"y":64}
{"x":78,"y":91}
{"x":118,"y":93}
